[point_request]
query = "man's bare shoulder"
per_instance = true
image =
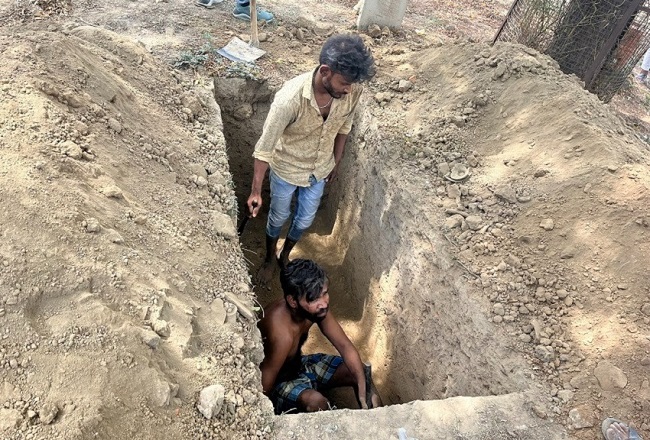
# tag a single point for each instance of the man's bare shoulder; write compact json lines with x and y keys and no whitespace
{"x":276,"y":321}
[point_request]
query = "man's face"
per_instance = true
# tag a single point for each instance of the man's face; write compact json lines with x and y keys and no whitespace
{"x":335,"y":84}
{"x":316,"y":310}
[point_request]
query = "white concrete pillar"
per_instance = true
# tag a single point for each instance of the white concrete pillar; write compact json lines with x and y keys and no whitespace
{"x":382,"y":13}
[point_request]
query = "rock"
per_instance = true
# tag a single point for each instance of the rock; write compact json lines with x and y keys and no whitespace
{"x":547,"y":224}
{"x":540,"y":411}
{"x":161,"y":327}
{"x":114,"y":237}
{"x":374,"y":31}
{"x":211,"y":400}
{"x":454,"y":221}
{"x":72,"y":150}
{"x":567,"y":252}
{"x":48,"y":413}
{"x":458,"y":121}
{"x":443,"y":169}
{"x":383,"y":97}
{"x":221,"y":224}
{"x":474,"y":222}
{"x":505,"y":192}
{"x":453,"y":191}
{"x":525,"y":338}
{"x":163,"y":392}
{"x":540,"y":173}
{"x":580,"y":418}
{"x":498,"y":309}
{"x":645,"y":309}
{"x":565,"y":395}
{"x":115,"y":125}
{"x":544,"y":354}
{"x":92,"y":225}
{"x":9,"y":419}
{"x":404,"y":85}
{"x":581,"y":381}
{"x":112,"y":192}
{"x":609,"y":376}
{"x":644,"y":391}
{"x":645,"y":361}
{"x":150,"y":338}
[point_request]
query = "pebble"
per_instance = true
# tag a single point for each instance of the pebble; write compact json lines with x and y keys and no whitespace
{"x":48,"y":413}
{"x":609,"y":376}
{"x":474,"y":222}
{"x":526,"y":338}
{"x":72,"y":150}
{"x":115,"y":125}
{"x":211,"y":400}
{"x":374,"y":31}
{"x":579,"y":418}
{"x":113,"y":192}
{"x":505,"y":192}
{"x":547,"y":224}
{"x":92,"y":225}
{"x":404,"y":85}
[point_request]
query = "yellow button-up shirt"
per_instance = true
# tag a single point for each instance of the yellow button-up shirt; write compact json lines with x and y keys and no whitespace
{"x":295,"y":141}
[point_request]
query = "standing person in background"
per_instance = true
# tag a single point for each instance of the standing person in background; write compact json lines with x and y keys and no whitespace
{"x":303,"y":141}
{"x":242,"y":10}
{"x":645,"y":67}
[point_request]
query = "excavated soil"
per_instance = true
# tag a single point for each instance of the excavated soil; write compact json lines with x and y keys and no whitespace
{"x":518,"y":295}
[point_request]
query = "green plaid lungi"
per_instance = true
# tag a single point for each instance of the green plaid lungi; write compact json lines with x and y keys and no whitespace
{"x":315,"y":372}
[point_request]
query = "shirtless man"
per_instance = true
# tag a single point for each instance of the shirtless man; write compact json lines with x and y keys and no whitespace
{"x":294,"y":381}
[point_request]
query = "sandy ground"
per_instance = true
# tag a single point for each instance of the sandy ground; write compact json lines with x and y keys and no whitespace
{"x":124,"y":290}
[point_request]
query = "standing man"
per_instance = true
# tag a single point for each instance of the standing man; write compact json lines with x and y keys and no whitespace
{"x":295,"y":381}
{"x":303,"y":141}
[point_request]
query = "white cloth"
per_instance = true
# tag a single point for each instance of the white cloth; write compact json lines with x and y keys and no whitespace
{"x":645,"y":64}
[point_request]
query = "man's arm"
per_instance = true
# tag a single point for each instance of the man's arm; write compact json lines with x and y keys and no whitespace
{"x":276,"y":350}
{"x":335,"y":334}
{"x":283,"y":112}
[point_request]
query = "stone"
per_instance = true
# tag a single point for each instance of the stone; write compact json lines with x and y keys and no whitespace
{"x":498,"y":309}
{"x":458,"y":121}
{"x":544,"y":354}
{"x":48,"y":413}
{"x":547,"y":224}
{"x":211,"y":400}
{"x":92,"y":225}
{"x":565,"y":395}
{"x":474,"y":222}
{"x":644,"y":391}
{"x":525,"y":338}
{"x":645,"y":309}
{"x":609,"y":376}
{"x":221,"y":224}
{"x":161,"y":328}
{"x":383,"y":97}
{"x":163,"y":392}
{"x":404,"y":85}
{"x":151,"y":338}
{"x":455,"y":221}
{"x":581,"y":381}
{"x":114,"y":237}
{"x":113,"y":192}
{"x":115,"y":125}
{"x":9,"y":419}
{"x":580,"y":418}
{"x":443,"y":169}
{"x":374,"y":31}
{"x":567,"y":252}
{"x":72,"y":150}
{"x":507,"y":193}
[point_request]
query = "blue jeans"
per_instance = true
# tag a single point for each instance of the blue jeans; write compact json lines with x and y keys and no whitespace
{"x":307,"y":201}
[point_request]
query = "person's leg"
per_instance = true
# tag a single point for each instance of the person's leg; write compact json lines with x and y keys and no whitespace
{"x":645,"y":67}
{"x":343,"y":377}
{"x":243,"y":12}
{"x":279,"y":212}
{"x":307,"y":203}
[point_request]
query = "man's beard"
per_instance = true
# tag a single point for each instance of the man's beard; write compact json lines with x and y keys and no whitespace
{"x":313,"y":317}
{"x":328,"y":87}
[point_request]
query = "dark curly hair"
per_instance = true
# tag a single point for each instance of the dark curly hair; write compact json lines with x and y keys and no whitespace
{"x":346,"y":55}
{"x":303,"y":278}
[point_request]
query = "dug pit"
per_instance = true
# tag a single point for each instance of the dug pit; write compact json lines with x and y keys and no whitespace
{"x":399,"y":296}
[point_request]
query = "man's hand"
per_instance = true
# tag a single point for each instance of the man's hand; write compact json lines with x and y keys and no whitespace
{"x":332,"y":175}
{"x":254,"y":204}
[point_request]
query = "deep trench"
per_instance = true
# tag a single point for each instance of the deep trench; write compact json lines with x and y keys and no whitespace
{"x":398,"y":297}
